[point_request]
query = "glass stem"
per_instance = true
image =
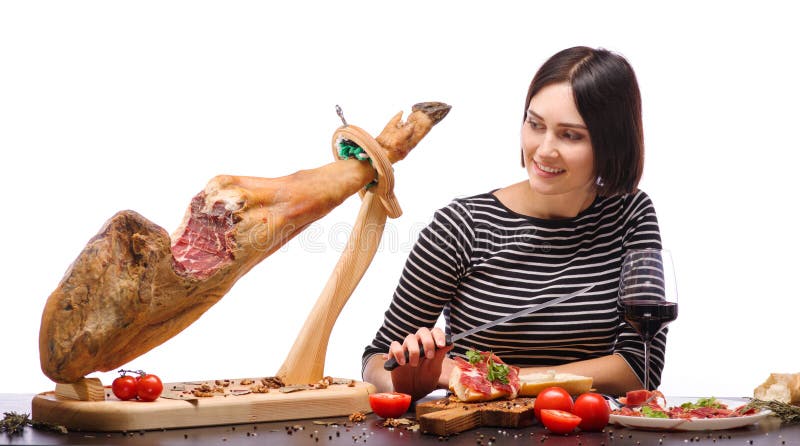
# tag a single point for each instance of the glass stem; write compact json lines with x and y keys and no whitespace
{"x":647,"y":365}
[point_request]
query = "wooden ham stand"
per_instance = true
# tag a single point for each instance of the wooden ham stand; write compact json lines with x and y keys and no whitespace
{"x":83,"y":405}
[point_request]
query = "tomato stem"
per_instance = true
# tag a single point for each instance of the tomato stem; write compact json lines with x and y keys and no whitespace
{"x":124,"y":372}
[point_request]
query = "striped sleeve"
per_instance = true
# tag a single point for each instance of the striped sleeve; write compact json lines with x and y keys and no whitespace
{"x":641,"y":232}
{"x":429,"y":279}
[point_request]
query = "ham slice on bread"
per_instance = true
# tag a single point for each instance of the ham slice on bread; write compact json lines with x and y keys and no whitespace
{"x":469,"y":381}
{"x":533,"y":383}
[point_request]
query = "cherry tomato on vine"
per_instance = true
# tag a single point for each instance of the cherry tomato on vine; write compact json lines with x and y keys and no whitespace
{"x":559,"y":421}
{"x":389,"y":405}
{"x":593,"y":410}
{"x":124,"y":387}
{"x":552,"y":398}
{"x":149,"y":387}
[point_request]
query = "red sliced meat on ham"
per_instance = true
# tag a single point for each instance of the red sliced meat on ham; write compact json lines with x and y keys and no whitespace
{"x":207,"y":241}
{"x":636,"y":398}
{"x":475,"y":377}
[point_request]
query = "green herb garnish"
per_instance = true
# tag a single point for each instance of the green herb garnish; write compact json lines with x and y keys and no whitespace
{"x":14,"y":423}
{"x":649,"y":412}
{"x":474,"y":357}
{"x":495,"y":372}
{"x":788,"y":413}
{"x":703,"y":402}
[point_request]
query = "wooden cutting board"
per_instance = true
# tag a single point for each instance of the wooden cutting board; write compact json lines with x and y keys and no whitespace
{"x":178,"y":407}
{"x":449,"y":416}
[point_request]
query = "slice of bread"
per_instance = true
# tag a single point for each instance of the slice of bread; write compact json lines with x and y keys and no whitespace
{"x":783,"y":387}
{"x":533,"y":383}
{"x":468,"y":395}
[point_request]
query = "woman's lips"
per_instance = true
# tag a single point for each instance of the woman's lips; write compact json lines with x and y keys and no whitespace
{"x":547,"y":171}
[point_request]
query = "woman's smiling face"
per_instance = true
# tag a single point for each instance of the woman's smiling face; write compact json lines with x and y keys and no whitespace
{"x":556,"y":146}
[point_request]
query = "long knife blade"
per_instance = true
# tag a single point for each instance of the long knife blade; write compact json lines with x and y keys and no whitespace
{"x":523,"y":312}
{"x":392,"y":364}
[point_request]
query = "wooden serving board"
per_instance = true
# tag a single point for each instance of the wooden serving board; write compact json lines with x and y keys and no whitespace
{"x":449,"y":416}
{"x":178,"y":407}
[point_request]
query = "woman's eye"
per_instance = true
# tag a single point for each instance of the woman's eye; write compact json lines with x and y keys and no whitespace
{"x":534,"y":124}
{"x":572,"y":136}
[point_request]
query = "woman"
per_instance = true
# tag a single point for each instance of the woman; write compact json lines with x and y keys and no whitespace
{"x":565,"y":227}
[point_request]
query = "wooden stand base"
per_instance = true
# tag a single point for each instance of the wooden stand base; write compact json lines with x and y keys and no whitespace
{"x":87,"y":389}
{"x":111,"y":414}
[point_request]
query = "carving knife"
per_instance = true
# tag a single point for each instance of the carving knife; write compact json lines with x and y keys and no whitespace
{"x":392,"y":364}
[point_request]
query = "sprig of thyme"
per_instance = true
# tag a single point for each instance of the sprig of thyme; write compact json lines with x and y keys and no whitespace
{"x":786,"y":412}
{"x":14,"y":423}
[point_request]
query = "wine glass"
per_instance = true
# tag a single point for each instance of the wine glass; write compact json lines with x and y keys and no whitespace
{"x":648,"y":295}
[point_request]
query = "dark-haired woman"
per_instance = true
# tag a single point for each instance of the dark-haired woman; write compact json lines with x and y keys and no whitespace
{"x":566,"y":226}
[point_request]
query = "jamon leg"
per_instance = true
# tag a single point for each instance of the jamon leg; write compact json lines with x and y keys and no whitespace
{"x":133,"y":286}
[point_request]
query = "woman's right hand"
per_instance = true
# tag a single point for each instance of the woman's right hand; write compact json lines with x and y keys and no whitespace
{"x":422,"y":373}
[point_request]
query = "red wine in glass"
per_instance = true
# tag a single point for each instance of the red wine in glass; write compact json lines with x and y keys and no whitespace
{"x":648,"y":317}
{"x":648,"y":297}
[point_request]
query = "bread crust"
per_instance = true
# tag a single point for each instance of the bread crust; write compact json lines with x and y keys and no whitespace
{"x":465,"y":394}
{"x":533,"y":383}
{"x":783,"y":387}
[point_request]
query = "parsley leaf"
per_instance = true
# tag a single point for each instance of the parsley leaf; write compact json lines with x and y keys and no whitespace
{"x":474,"y":357}
{"x":497,"y":372}
{"x":649,"y":412}
{"x":702,"y":402}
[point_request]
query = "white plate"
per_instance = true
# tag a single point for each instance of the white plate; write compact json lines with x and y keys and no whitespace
{"x":700,"y":424}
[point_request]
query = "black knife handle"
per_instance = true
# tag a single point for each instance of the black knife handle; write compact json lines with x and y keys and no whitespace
{"x":392,"y":364}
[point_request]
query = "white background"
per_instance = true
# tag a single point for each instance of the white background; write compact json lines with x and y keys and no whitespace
{"x":107,"y":106}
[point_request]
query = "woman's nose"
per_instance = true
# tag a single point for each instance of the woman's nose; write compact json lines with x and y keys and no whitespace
{"x":548,"y":147}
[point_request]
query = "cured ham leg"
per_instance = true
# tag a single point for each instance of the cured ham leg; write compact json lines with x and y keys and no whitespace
{"x":133,"y":286}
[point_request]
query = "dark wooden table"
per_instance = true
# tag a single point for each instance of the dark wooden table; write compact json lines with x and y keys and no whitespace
{"x":370,"y":432}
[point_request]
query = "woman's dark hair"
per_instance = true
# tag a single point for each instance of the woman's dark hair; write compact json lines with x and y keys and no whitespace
{"x":607,"y":97}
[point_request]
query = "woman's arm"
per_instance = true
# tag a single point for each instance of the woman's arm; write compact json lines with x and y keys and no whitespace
{"x":428,"y":282}
{"x":611,"y":374}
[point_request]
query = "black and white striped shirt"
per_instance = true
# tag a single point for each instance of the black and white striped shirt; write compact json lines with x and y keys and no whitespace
{"x":478,"y":261}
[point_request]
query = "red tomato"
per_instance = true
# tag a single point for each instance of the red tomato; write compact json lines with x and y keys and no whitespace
{"x":559,"y":421}
{"x":389,"y":405}
{"x":552,"y":398}
{"x":124,"y":387}
{"x":148,"y":387}
{"x":593,"y":410}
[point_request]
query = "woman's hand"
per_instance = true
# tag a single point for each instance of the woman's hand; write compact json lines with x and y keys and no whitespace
{"x":422,"y":373}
